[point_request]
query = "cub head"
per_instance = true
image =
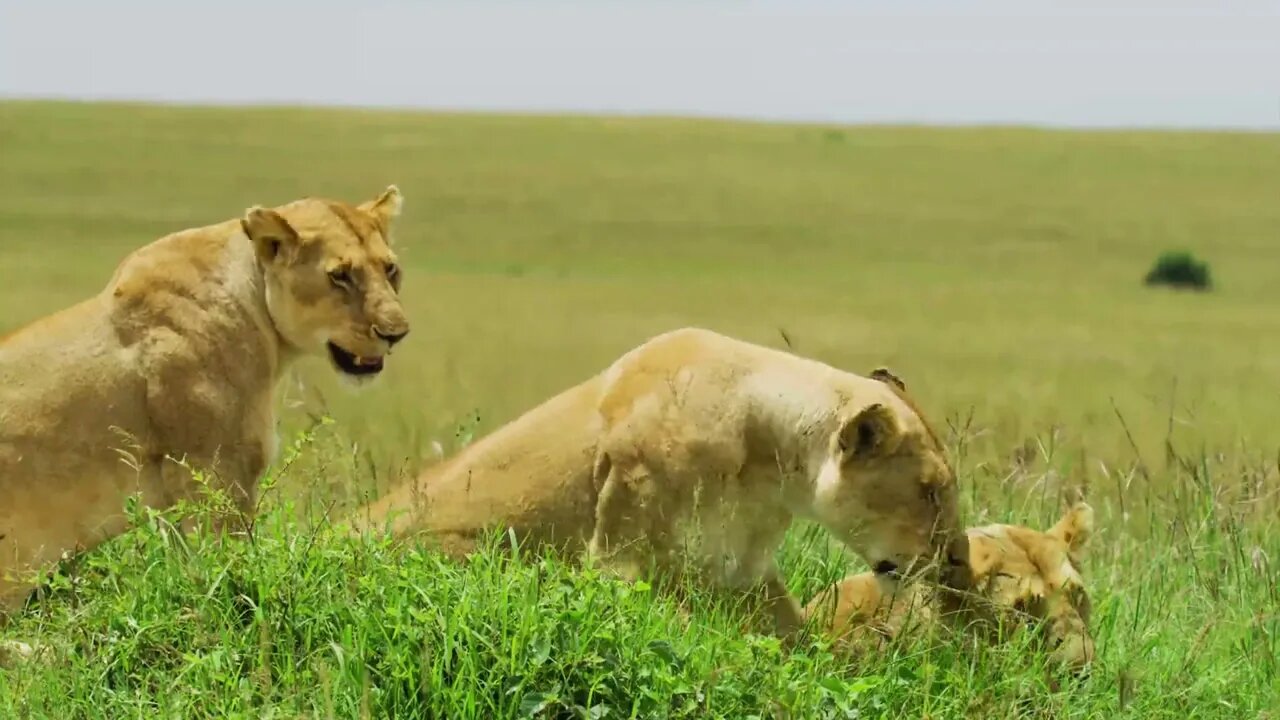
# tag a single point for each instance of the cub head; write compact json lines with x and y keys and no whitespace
{"x":885,"y":487}
{"x":332,"y":281}
{"x":1024,"y":577}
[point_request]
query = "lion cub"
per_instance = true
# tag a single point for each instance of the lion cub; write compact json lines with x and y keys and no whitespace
{"x":693,"y":453}
{"x":178,"y":358}
{"x":1015,"y":575}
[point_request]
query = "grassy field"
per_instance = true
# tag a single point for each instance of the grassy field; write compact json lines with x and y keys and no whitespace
{"x":997,"y":270}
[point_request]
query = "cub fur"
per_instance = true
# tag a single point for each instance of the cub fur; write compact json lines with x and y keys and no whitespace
{"x":177,"y":358}
{"x":693,"y":453}
{"x":1015,"y":576}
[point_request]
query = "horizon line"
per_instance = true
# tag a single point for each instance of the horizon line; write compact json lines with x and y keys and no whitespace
{"x":782,"y":120}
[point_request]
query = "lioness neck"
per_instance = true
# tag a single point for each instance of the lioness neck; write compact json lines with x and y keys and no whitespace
{"x":797,"y":407}
{"x":246,"y":283}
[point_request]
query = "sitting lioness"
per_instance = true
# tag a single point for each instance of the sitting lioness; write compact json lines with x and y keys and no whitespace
{"x":1016,"y":576}
{"x":698,"y":442}
{"x":176,"y":360}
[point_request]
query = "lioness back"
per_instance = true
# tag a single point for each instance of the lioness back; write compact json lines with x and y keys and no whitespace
{"x":532,"y":475}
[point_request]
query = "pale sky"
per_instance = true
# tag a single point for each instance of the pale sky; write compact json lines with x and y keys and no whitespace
{"x":1209,"y":63}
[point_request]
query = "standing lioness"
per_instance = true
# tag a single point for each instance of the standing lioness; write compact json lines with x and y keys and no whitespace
{"x":177,"y":358}
{"x":699,"y":446}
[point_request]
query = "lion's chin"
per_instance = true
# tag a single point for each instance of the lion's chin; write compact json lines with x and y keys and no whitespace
{"x":356,"y":383}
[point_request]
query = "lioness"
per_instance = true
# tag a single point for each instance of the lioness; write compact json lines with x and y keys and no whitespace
{"x":697,"y":441}
{"x":177,"y":358}
{"x":1016,"y":576}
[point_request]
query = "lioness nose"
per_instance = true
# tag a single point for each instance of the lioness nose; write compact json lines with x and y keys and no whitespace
{"x":392,"y":337}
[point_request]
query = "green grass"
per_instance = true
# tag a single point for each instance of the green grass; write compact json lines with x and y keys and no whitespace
{"x":999,"y":271}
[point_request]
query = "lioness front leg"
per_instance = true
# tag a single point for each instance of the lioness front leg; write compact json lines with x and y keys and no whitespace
{"x":15,"y":652}
{"x":787,"y":616}
{"x":236,"y":480}
{"x":632,"y":534}
{"x":244,"y":506}
{"x":768,"y":602}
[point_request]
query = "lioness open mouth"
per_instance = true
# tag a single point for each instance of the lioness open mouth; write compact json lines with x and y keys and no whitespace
{"x":353,"y":364}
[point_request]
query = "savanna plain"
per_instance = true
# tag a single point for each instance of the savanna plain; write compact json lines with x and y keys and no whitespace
{"x":998,"y":271}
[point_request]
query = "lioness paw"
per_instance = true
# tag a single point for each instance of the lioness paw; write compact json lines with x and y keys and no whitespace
{"x":14,"y":653}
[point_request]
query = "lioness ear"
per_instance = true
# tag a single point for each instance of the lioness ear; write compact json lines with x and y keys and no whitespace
{"x":885,"y":375}
{"x":270,"y":233}
{"x":1076,"y":527}
{"x":874,"y":431}
{"x":386,"y":207}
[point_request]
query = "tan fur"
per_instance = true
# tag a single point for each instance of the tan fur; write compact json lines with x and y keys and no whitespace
{"x":1015,"y":575}
{"x":177,"y":358}
{"x":698,"y":442}
{"x":533,"y":476}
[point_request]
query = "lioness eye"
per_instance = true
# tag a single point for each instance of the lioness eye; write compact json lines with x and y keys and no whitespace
{"x":393,"y":271}
{"x":340,"y":277}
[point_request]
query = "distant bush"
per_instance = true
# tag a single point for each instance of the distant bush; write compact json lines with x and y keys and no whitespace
{"x":1179,"y":269}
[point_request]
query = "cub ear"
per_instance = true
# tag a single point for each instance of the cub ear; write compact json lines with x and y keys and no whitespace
{"x":1076,"y":526}
{"x":885,"y":375}
{"x":873,"y":431}
{"x":386,"y":207}
{"x":272,"y":236}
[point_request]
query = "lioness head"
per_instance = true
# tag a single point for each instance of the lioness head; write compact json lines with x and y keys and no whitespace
{"x":886,"y":489}
{"x":1020,"y":576}
{"x":332,"y":282}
